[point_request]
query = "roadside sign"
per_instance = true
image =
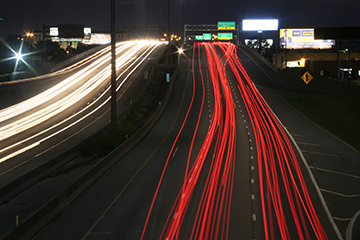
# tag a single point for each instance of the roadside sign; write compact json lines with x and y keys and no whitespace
{"x":307,"y":77}
{"x":225,"y":36}
{"x":168,"y":77}
{"x":206,"y":36}
{"x":226,"y":25}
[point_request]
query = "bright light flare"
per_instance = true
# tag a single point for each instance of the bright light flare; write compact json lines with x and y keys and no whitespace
{"x":19,"y":56}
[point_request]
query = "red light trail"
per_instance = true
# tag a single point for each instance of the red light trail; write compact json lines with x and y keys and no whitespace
{"x":284,"y":194}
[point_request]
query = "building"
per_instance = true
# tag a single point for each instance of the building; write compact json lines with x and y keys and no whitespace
{"x":321,"y":62}
{"x":328,"y":68}
{"x":52,"y":33}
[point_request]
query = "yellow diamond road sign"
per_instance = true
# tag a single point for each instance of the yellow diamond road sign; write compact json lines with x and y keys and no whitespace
{"x":307,"y":77}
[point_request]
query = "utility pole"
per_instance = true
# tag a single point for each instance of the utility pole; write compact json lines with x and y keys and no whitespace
{"x":285,"y":45}
{"x":338,"y":59}
{"x":168,"y":35}
{"x":113,"y":68}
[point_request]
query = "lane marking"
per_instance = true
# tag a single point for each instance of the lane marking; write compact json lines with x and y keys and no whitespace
{"x":310,"y":144}
{"x":175,"y":151}
{"x":319,"y":153}
{"x":340,"y":194}
{"x":331,"y":171}
{"x":349,"y":229}
{"x":342,"y":219}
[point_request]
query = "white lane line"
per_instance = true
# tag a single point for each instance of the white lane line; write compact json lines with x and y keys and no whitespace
{"x":175,"y":151}
{"x":297,"y":135}
{"x":310,"y":144}
{"x":349,"y":229}
{"x":252,"y":196}
{"x":339,"y":194}
{"x":318,"y":153}
{"x":254,"y":217}
{"x":340,"y":173}
{"x":342,"y":219}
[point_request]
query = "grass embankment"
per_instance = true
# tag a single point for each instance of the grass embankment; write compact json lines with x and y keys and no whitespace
{"x":331,"y":104}
{"x":104,"y":142}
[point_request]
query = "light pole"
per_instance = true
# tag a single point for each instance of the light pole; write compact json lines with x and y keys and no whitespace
{"x":113,"y":68}
{"x":168,"y":34}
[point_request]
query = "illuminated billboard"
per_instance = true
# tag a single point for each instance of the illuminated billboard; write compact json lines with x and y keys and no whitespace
{"x":302,"y":38}
{"x":87,"y":33}
{"x":99,"y":38}
{"x":71,"y":30}
{"x":260,"y":25}
{"x":267,"y":43}
{"x":54,"y":32}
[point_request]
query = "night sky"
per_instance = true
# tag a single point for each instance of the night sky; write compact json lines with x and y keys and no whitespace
{"x":31,"y":15}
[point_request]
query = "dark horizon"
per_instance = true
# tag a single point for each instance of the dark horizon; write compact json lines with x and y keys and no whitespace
{"x":22,"y":16}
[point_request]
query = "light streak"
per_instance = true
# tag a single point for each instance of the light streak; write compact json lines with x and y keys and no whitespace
{"x":130,"y":59}
{"x":212,"y":219}
{"x":287,"y":209}
{"x":277,"y":162}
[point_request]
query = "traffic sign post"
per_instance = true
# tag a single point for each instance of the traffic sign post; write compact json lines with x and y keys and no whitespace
{"x":307,"y":77}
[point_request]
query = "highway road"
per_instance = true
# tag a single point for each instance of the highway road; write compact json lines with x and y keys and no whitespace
{"x":45,"y":125}
{"x":220,"y":163}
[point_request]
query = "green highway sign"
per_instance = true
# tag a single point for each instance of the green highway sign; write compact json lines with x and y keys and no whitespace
{"x":198,"y":37}
{"x":225,"y":36}
{"x":206,"y":36}
{"x":226,"y":25}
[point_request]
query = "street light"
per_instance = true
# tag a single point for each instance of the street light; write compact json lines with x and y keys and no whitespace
{"x":18,"y":56}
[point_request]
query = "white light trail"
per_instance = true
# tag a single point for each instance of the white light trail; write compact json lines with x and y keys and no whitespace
{"x":128,"y":59}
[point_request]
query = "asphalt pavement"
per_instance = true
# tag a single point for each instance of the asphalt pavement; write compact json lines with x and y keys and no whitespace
{"x":334,"y":165}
